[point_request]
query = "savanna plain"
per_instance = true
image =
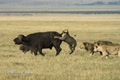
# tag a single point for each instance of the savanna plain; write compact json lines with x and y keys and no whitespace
{"x":15,"y":65}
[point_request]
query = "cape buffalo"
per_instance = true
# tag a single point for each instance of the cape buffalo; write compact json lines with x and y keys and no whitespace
{"x":39,"y":41}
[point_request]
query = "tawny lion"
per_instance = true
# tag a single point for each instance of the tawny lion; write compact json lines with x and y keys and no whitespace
{"x":107,"y":49}
{"x":68,"y":39}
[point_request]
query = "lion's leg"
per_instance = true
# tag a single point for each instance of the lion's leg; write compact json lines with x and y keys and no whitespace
{"x":91,"y":53}
{"x":56,"y":37}
{"x":61,"y":38}
{"x":105,"y":54}
{"x":101,"y":53}
{"x":71,"y":48}
{"x":119,"y":53}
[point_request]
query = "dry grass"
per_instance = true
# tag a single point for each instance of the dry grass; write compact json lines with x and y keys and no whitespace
{"x":78,"y":66}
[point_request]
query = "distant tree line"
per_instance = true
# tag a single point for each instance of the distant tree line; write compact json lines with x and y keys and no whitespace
{"x":101,"y":3}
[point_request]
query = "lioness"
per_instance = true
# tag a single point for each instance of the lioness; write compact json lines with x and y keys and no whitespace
{"x":68,"y":39}
{"x":107,"y":49}
{"x":103,"y":42}
{"x":25,"y":48}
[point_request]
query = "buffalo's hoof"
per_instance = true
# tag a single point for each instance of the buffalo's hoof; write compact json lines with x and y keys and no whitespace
{"x":56,"y":55}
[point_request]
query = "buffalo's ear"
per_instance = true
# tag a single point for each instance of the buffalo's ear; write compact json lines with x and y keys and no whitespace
{"x":21,"y":37}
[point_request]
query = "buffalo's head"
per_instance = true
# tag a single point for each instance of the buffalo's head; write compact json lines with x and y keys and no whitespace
{"x":19,"y":40}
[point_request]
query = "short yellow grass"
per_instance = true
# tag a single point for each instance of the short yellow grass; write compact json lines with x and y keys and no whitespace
{"x":14,"y":65}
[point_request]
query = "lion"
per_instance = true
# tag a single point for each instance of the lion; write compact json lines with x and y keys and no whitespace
{"x":25,"y":48}
{"x":68,"y":39}
{"x":107,"y":49}
{"x":103,"y":42}
{"x":88,"y":47}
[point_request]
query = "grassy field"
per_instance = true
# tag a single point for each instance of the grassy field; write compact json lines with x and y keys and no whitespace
{"x":14,"y":65}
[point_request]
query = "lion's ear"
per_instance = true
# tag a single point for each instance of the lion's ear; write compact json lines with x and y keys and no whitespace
{"x":66,"y":30}
{"x":83,"y":43}
{"x":98,"y":44}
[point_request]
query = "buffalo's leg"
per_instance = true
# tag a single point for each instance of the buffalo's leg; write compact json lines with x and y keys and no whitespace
{"x":58,"y":49}
{"x":56,"y":44}
{"x":35,"y":53}
{"x":40,"y":51}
